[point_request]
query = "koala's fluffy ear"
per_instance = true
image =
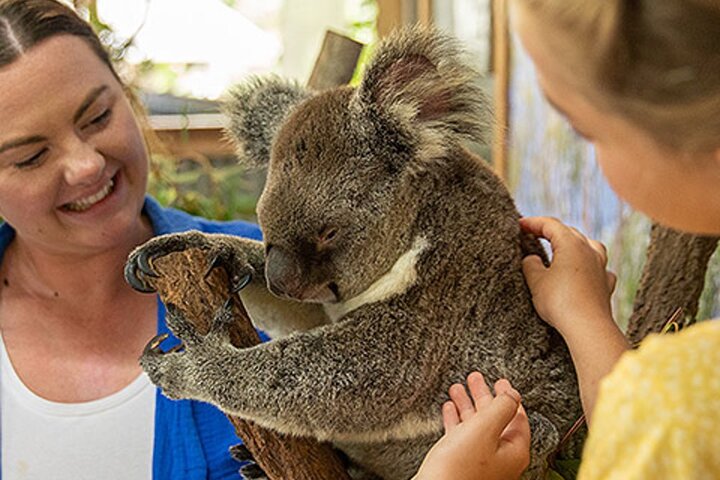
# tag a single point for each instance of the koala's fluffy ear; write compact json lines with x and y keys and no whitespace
{"x":256,"y":109}
{"x":419,"y":77}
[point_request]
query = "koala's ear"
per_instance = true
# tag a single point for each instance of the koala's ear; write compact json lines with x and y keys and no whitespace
{"x":256,"y":109}
{"x":419,"y":77}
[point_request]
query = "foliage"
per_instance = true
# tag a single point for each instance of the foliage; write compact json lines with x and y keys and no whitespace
{"x":364,"y":30}
{"x":215,"y":190}
{"x":564,"y":470}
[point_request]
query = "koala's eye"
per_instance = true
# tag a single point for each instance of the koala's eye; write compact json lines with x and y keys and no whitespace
{"x":301,"y":148}
{"x":268,"y":247}
{"x":326,"y":236}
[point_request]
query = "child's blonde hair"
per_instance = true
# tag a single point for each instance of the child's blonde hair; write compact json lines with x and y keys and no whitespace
{"x":656,"y":62}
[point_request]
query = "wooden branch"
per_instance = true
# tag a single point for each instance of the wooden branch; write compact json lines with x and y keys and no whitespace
{"x":335,"y":65}
{"x":673,"y":277}
{"x":501,"y":68}
{"x":281,"y":457}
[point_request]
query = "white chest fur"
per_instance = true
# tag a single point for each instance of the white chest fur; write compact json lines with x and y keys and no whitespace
{"x":397,"y":280}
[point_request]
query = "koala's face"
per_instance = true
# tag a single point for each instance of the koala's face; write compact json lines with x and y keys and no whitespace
{"x":330,"y":210}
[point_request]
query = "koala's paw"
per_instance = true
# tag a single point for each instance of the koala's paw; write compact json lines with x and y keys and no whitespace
{"x":178,"y":370}
{"x":140,"y":271}
{"x":171,"y":370}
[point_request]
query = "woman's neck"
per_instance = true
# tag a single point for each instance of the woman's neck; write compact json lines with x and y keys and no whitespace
{"x":45,"y":274}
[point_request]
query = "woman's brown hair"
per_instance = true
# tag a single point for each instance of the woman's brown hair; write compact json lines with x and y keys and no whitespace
{"x":26,"y":23}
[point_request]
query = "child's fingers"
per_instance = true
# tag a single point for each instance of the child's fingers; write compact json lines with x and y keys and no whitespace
{"x":532,"y":264}
{"x":546,"y":227}
{"x":503,"y":386}
{"x":514,"y":445}
{"x":498,"y":415}
{"x":451,"y":419}
{"x":464,"y":405}
{"x":479,"y":390}
{"x":518,"y":430}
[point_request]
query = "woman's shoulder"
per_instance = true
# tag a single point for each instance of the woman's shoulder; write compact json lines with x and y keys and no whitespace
{"x":170,"y":220}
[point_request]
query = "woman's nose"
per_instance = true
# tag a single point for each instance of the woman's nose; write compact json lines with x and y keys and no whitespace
{"x":84,"y":164}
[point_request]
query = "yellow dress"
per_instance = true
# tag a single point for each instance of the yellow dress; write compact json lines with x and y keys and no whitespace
{"x":658,"y":412}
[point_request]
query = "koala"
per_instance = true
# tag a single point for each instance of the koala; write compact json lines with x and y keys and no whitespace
{"x":390,"y":268}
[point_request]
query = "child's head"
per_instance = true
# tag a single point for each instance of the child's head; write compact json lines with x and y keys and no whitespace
{"x":641,"y":80}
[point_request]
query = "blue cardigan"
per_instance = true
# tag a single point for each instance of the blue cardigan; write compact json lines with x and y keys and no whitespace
{"x":191,"y":438}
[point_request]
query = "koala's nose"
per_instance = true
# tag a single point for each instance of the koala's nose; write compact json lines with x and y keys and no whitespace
{"x":283,"y":273}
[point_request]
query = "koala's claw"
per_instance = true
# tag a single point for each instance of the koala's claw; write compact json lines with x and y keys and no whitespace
{"x":217,"y":261}
{"x":139,"y":268}
{"x":238,"y":275}
{"x":180,"y":347}
{"x":153,"y":346}
{"x":145,"y":265}
{"x":241,"y":453}
{"x":135,"y":281}
{"x":228,"y":305}
{"x":237,"y":283}
{"x":252,"y":471}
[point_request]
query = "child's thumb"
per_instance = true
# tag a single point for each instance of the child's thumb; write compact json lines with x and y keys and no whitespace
{"x":533,"y":267}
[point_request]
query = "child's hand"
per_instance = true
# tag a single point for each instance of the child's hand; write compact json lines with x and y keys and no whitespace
{"x":486,"y":437}
{"x":576,"y":286}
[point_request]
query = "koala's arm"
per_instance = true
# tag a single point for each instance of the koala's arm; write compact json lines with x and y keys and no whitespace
{"x":357,"y":380}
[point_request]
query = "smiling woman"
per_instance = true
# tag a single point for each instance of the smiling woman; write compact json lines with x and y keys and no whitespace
{"x":78,"y":165}
{"x":73,"y":173}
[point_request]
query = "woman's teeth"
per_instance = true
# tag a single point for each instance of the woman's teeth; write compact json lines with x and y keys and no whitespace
{"x":87,"y":202}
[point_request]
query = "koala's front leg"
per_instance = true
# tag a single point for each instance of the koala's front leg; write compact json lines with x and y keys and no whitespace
{"x":360,"y":379}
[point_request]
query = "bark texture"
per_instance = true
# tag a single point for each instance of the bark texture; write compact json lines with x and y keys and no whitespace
{"x":673,"y":277}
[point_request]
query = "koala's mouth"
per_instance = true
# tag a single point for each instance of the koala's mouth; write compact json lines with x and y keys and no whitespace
{"x":321,"y":293}
{"x":324,"y":293}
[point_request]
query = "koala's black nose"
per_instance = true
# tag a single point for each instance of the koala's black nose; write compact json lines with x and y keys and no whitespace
{"x":282,"y":273}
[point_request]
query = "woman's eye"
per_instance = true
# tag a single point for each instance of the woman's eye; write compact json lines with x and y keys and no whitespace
{"x":100,"y":119}
{"x":31,"y":161}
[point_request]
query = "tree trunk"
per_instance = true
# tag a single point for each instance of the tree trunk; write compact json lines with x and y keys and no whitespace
{"x":672,"y":278}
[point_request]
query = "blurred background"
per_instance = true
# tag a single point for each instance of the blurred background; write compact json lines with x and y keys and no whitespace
{"x":181,"y":56}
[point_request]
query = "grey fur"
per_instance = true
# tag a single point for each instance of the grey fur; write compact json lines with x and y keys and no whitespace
{"x":363,"y":182}
{"x":255,"y":109}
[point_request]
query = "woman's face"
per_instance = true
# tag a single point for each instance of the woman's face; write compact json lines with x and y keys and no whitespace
{"x":73,"y":164}
{"x":680,"y":190}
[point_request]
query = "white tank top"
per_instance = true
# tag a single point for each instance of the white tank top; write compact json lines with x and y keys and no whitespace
{"x":110,"y":438}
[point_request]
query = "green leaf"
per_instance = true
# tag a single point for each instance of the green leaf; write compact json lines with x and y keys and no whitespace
{"x":553,"y":475}
{"x":566,"y":469}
